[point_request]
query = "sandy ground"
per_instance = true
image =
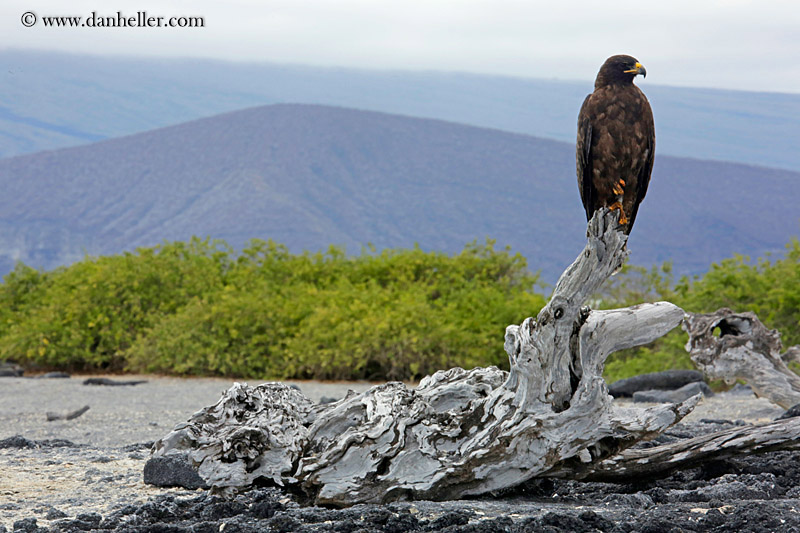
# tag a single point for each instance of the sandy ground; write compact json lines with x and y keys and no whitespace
{"x":102,"y":474}
{"x":123,"y":415}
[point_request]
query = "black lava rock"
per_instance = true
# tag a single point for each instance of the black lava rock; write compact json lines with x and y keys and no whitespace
{"x":18,"y":441}
{"x":452,"y":518}
{"x":673,"y":396}
{"x":327,"y":399}
{"x":55,"y":514}
{"x":10,"y":370}
{"x":741,"y":390}
{"x":266,"y":509}
{"x":26,"y":525}
{"x":111,"y":382}
{"x":667,"y":380}
{"x":401,"y":523}
{"x":172,"y":471}
{"x":791,"y":412}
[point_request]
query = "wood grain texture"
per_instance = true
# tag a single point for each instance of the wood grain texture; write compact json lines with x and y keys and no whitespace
{"x":659,"y":460}
{"x":730,"y":346}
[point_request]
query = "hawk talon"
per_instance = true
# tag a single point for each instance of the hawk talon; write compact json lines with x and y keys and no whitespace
{"x":618,"y":206}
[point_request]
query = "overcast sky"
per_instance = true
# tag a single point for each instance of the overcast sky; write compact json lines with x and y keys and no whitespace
{"x":734,"y":44}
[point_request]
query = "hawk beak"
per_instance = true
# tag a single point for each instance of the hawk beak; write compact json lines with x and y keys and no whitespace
{"x":639,"y":69}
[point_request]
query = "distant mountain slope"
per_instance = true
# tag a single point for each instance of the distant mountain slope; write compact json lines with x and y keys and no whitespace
{"x":309,"y":176}
{"x":56,"y":100}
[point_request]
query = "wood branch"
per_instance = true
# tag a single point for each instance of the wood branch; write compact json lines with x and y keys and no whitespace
{"x":659,"y":460}
{"x":51,"y":416}
{"x":730,"y":346}
{"x":459,"y":433}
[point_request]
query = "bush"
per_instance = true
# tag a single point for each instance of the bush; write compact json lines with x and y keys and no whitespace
{"x":87,"y":315}
{"x":194,"y":309}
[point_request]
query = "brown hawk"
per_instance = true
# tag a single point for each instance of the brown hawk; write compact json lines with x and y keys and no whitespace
{"x":616,"y":142}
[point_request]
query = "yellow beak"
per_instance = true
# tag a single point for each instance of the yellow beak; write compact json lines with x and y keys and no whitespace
{"x":638,"y":69}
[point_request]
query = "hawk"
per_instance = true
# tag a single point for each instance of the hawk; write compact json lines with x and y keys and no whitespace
{"x":616,"y":142}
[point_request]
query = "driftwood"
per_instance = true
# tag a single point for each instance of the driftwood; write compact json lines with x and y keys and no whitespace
{"x":730,"y":346}
{"x":460,"y":432}
{"x":51,"y":416}
{"x":658,"y":460}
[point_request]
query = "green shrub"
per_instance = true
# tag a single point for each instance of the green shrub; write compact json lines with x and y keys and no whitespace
{"x":398,"y":314}
{"x":87,"y":315}
{"x":21,"y":288}
{"x":196,"y":308}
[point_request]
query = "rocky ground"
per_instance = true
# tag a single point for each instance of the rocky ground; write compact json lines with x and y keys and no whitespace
{"x":85,"y":474}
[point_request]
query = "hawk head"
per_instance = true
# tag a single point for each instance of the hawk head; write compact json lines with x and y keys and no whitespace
{"x":619,"y":69}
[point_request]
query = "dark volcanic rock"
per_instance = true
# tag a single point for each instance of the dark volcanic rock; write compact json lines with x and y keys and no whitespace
{"x":139,"y":446}
{"x":790,"y":412}
{"x":741,"y":390}
{"x":28,"y":525}
{"x":10,"y":370}
{"x":55,"y":514}
{"x":172,"y":471}
{"x":673,"y":396}
{"x":327,"y":399}
{"x":111,"y":382}
{"x":730,"y":488}
{"x":18,"y":441}
{"x":740,"y":494}
{"x":667,"y":380}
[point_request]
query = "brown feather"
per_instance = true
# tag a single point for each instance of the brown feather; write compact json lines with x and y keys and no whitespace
{"x":616,"y":141}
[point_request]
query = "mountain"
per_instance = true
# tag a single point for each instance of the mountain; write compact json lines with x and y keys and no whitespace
{"x":309,"y":176}
{"x":55,"y":100}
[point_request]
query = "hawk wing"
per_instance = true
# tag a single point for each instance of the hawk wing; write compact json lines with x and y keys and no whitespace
{"x":583,"y":149}
{"x":644,"y":174}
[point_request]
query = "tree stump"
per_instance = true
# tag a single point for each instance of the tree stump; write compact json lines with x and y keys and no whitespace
{"x":730,"y":346}
{"x":460,"y":432}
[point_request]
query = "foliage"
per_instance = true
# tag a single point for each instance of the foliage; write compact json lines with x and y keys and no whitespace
{"x":197,"y":309}
{"x":769,"y":287}
{"x":87,"y":315}
{"x":21,"y":287}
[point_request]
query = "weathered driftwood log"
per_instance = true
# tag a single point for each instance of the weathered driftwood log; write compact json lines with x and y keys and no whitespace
{"x":51,"y":416}
{"x":459,"y":432}
{"x":730,"y":346}
{"x":657,"y":460}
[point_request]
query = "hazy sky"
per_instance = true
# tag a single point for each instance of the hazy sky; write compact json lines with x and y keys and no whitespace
{"x":735,"y":44}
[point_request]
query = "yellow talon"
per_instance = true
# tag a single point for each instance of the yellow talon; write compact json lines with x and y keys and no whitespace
{"x":618,"y":206}
{"x":618,"y":188}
